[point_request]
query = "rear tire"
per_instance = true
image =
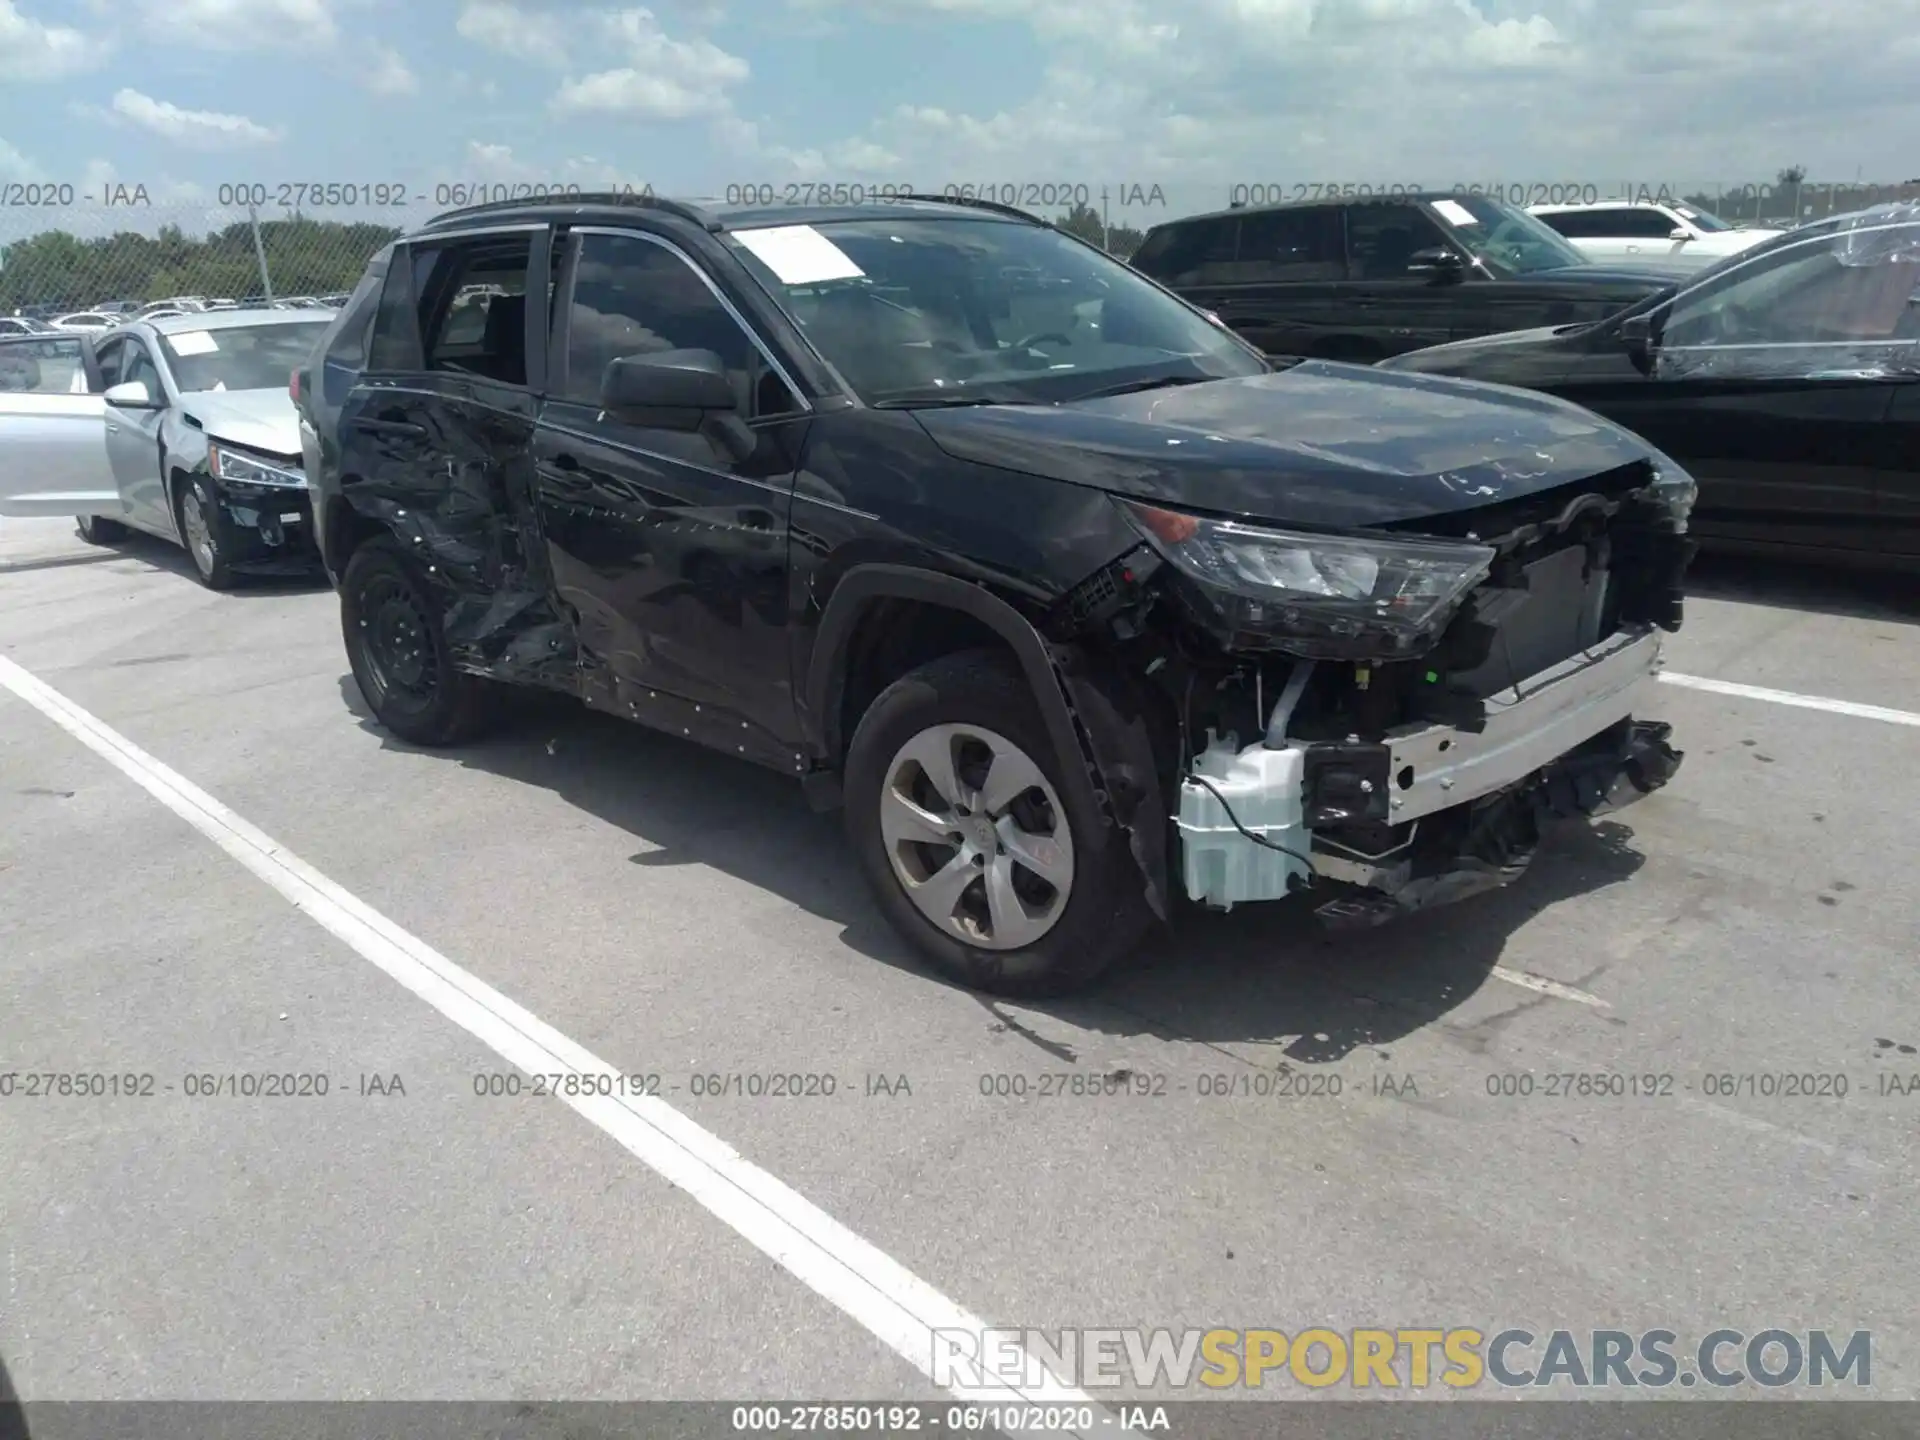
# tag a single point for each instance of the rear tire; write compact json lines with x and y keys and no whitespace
{"x":391,"y":623}
{"x":966,"y":894}
{"x":98,"y":530}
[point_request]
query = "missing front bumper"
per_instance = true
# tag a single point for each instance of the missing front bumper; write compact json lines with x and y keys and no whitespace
{"x":1489,"y":843}
{"x":1431,"y":813}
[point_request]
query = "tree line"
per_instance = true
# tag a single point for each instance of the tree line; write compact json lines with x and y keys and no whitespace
{"x":304,"y":257}
{"x":58,"y":271}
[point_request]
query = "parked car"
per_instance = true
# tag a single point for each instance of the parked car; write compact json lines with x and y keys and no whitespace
{"x":1361,"y":280}
{"x":1626,"y":232}
{"x":24,"y":325}
{"x":185,"y":431}
{"x":1062,"y":591}
{"x":86,"y":320}
{"x":1787,"y":379}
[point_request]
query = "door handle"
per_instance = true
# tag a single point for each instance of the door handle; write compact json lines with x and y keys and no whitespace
{"x":391,"y":427}
{"x":564,"y":461}
{"x":113,"y":429}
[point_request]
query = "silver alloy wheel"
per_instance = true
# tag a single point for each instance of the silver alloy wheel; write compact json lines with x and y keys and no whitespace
{"x":193,"y":520}
{"x":977,"y":837}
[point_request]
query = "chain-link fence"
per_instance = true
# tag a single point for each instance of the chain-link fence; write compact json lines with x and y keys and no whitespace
{"x":61,"y":256}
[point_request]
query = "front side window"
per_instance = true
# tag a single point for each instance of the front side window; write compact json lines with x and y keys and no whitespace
{"x":42,"y":367}
{"x":238,"y":357}
{"x":1835,"y":302}
{"x":916,"y":310}
{"x":138,"y":367}
{"x":633,"y":296}
{"x":1385,"y":238}
{"x":1505,"y":237}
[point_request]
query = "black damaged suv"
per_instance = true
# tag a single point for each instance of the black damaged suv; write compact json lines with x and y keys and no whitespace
{"x":1077,"y":605}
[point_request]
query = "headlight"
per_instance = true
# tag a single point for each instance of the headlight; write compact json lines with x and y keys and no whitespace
{"x":247,"y":469}
{"x":1674,"y":489}
{"x":1325,"y":595}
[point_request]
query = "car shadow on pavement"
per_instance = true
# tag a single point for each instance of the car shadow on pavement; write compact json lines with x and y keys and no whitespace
{"x":1264,"y":973}
{"x":1859,"y":594}
{"x":13,"y":1419}
{"x":163,"y":555}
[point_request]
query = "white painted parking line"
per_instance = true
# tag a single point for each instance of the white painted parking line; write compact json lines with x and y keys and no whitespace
{"x":895,"y":1305}
{"x":1544,"y":986}
{"x":1793,"y":698}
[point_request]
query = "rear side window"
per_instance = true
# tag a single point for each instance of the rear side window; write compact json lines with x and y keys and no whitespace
{"x":1283,"y":245}
{"x":1576,"y":224}
{"x":1194,"y":252}
{"x":471,"y":306}
{"x":346,"y":343}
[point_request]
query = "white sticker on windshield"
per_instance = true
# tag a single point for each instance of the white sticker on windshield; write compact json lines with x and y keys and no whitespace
{"x":192,"y":342}
{"x":800,"y":255}
{"x":1457,"y":213}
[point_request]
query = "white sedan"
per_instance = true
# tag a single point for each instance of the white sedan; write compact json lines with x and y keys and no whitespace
{"x":181,"y":427}
{"x":1626,"y":232}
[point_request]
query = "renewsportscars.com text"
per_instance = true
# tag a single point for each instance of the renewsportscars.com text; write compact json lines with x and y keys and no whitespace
{"x":1460,"y":1358}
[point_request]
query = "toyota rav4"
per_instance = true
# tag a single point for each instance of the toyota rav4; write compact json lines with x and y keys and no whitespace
{"x":1082,"y":610}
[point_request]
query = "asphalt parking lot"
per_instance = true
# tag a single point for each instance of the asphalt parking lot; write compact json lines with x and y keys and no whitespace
{"x":675,"y":913}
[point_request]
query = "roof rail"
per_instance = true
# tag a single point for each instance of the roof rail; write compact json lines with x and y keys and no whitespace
{"x":977,"y":204}
{"x":598,"y":197}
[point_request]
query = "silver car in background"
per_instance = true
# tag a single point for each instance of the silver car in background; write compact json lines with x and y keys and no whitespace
{"x":182,"y":427}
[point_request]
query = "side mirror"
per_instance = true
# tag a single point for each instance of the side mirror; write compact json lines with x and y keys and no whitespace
{"x":1439,"y":262}
{"x":132,"y":395}
{"x":1636,"y":336}
{"x":687,"y":390}
{"x":1679,"y":235}
{"x":691,"y":382}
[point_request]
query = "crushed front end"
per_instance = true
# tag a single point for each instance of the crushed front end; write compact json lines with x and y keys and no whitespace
{"x":1389,"y":720}
{"x":266,"y":508}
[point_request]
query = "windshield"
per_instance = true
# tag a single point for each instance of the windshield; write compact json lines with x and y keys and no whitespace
{"x":1701,"y":220}
{"x":913,"y":310}
{"x":242,"y":357}
{"x":1505,"y":237}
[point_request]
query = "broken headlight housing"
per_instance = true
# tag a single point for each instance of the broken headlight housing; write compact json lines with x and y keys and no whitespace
{"x":1674,"y":490}
{"x":1319,"y":596}
{"x":243,"y":469}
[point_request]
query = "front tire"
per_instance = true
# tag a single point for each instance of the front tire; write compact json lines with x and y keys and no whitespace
{"x":391,"y":623}
{"x":204,"y":531}
{"x":971,"y":843}
{"x":98,"y":530}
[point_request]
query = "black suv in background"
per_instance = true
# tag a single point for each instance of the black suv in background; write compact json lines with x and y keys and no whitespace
{"x":1362,"y":280}
{"x":1073,"y":601}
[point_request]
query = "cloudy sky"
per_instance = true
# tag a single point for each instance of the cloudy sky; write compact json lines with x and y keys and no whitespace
{"x":691,"y":96}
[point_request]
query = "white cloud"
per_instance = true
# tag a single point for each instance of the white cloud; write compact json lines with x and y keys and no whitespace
{"x":384,"y":71}
{"x":33,"y":49}
{"x":230,"y":25}
{"x":663,"y":79}
{"x":195,"y":129}
{"x":14,"y":164}
{"x":498,"y":164}
{"x":1429,"y":92}
{"x":507,"y":28}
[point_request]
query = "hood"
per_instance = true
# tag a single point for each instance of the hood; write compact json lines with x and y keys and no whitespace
{"x":1320,"y":444}
{"x":262,"y":420}
{"x":1513,"y":357}
{"x":1653,"y":276}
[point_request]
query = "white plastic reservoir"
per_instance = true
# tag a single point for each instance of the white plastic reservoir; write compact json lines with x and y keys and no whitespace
{"x":1222,"y":866}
